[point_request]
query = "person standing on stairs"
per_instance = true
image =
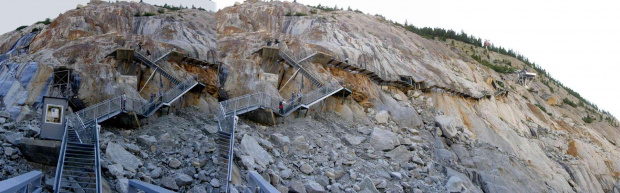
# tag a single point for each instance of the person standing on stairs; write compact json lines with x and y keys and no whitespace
{"x":161,"y":96}
{"x":269,"y":42}
{"x":281,"y":107}
{"x":276,"y":42}
{"x":152,"y":97}
{"x":123,"y":101}
{"x":299,"y":97}
{"x":293,"y":99}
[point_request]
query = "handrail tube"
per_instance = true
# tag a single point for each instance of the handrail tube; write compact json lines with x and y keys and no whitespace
{"x":256,"y":179}
{"x":23,"y":183}
{"x":97,"y":157}
{"x":135,"y":185}
{"x":61,"y":158}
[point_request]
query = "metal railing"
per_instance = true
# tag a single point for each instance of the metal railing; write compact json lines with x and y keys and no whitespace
{"x":319,"y":93}
{"x":61,"y":157}
{"x":160,"y":57}
{"x":28,"y":182}
{"x":178,"y":90}
{"x":97,"y":168}
{"x":303,"y":71}
{"x":257,"y":184}
{"x":150,"y":63}
{"x":135,"y":185}
{"x":247,"y":103}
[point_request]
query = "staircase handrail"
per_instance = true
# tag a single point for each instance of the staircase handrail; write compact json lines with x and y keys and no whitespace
{"x":28,"y":182}
{"x":161,"y":57}
{"x":180,"y":88}
{"x":135,"y":185}
{"x":320,"y":92}
{"x":152,"y":64}
{"x":303,"y":71}
{"x":256,"y":183}
{"x":97,"y":156}
{"x":61,"y":157}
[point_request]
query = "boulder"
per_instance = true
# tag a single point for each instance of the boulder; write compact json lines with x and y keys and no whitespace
{"x":463,"y":155}
{"x":8,"y":151}
{"x":251,"y":147}
{"x":31,"y":131}
{"x":211,"y":129}
{"x":117,"y":154}
{"x":131,"y":147}
{"x":174,"y":163}
{"x":447,"y":124}
{"x":354,"y":140}
{"x":183,"y":179}
{"x":306,"y":168}
{"x":215,"y":183}
{"x":40,"y":151}
{"x":297,"y":186}
{"x":13,"y":137}
{"x":156,"y":173}
{"x":367,"y":186}
{"x":445,"y":155}
{"x":122,"y":185}
{"x":147,"y":140}
{"x":286,"y":173}
{"x":396,"y":175}
{"x":313,"y":187}
{"x":116,"y":170}
{"x":280,"y":139}
{"x":455,"y":184}
{"x":198,"y":189}
{"x":400,"y":155}
{"x":382,"y":117}
{"x":168,"y":182}
{"x":383,"y":140}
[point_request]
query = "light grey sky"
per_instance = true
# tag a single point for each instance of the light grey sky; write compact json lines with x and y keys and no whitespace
{"x":573,"y":40}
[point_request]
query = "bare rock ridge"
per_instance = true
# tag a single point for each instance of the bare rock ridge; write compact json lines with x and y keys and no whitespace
{"x":446,"y":123}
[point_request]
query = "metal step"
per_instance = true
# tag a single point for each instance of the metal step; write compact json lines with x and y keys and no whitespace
{"x":77,"y":151}
{"x":80,"y":172}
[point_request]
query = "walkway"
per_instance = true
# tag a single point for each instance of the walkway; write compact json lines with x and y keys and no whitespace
{"x":380,"y":77}
{"x":78,"y":162}
{"x":230,"y":108}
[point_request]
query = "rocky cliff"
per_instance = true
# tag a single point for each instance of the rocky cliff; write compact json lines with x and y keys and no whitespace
{"x":380,"y":138}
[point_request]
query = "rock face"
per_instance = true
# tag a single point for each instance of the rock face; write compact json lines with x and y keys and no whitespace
{"x":434,"y":141}
{"x":117,"y":154}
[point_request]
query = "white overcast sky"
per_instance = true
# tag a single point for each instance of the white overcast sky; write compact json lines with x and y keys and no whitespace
{"x":575,"y":40}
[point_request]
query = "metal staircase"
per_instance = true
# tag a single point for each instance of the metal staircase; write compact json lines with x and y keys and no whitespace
{"x":169,"y":97}
{"x":303,"y":71}
{"x":78,"y":168}
{"x":152,"y":64}
{"x":78,"y":164}
{"x":162,"y":57}
{"x":229,"y":110}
